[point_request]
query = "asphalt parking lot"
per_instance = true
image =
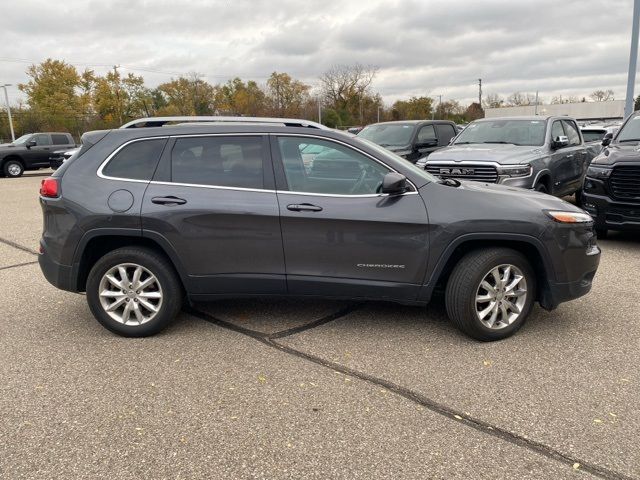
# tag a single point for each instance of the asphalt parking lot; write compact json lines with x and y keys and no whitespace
{"x":312,"y":389}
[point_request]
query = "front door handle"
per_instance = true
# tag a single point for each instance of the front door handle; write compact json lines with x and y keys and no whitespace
{"x":170,"y":200}
{"x":304,"y":207}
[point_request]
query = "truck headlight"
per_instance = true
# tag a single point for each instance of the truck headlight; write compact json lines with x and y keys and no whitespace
{"x":599,"y":172}
{"x":515,"y":170}
{"x":569,"y":217}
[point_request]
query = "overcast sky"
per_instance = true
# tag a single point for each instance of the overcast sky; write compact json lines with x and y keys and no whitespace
{"x":421,"y":47}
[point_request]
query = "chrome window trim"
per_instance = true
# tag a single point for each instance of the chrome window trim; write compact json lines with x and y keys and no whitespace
{"x":116,"y":151}
{"x":241,"y":189}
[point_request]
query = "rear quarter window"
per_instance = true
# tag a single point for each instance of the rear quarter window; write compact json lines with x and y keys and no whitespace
{"x":135,"y":161}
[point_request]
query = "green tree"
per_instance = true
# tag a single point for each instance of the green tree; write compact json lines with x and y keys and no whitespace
{"x":118,"y":100}
{"x":52,"y":93}
{"x":285,"y":96}
{"x":416,"y":108}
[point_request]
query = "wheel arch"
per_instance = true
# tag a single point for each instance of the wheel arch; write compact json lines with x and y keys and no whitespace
{"x":12,"y":156}
{"x":529,"y":246}
{"x":95,"y":244}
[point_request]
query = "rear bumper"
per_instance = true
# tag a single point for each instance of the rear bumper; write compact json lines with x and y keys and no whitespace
{"x":60,"y":276}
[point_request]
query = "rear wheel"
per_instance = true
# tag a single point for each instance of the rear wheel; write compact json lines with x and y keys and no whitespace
{"x":490,"y":293}
{"x":134,"y":292}
{"x":13,"y":168}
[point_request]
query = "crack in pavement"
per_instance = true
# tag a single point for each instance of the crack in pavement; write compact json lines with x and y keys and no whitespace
{"x":18,"y":246}
{"x":413,"y":396}
{"x":18,"y":265}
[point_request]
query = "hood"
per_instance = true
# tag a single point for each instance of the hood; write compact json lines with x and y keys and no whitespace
{"x":487,"y":152}
{"x":618,"y":153}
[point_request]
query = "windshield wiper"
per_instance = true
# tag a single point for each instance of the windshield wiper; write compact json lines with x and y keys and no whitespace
{"x":629,"y":140}
{"x":503,"y":143}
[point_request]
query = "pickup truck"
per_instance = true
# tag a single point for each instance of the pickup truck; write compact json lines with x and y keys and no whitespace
{"x":32,"y":152}
{"x":547,"y":154}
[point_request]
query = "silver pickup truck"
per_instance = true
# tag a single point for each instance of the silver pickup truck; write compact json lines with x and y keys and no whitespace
{"x":547,"y":154}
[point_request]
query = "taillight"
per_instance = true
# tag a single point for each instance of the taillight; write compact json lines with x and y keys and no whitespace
{"x":50,"y":188}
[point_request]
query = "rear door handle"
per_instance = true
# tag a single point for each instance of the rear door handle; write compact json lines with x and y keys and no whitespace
{"x":170,"y":200}
{"x":304,"y":207}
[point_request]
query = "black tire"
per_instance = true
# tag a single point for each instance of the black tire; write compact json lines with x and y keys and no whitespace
{"x":579,"y":198}
{"x":542,"y":188}
{"x":463,"y":284}
{"x":13,"y":168}
{"x":155,"y":263}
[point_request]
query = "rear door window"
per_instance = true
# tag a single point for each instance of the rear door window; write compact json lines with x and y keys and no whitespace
{"x":42,"y":140}
{"x":59,"y":139}
{"x":225,"y":161}
{"x":136,"y":161}
{"x":445,"y":133}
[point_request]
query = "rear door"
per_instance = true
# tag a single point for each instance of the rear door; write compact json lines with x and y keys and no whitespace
{"x":341,"y":237}
{"x":445,"y":133}
{"x":213,"y":203}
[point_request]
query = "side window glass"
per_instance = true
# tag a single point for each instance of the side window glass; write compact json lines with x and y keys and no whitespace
{"x":135,"y":161}
{"x":321,"y":166}
{"x":427,"y":134}
{"x":59,"y":139}
{"x":42,"y":140}
{"x":219,"y":161}
{"x":557,"y":130}
{"x":572,"y":133}
{"x":445,"y":133}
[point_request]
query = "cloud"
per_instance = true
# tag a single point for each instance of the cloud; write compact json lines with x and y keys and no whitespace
{"x":422,"y":47}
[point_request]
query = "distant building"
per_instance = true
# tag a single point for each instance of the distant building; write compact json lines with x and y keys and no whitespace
{"x":613,"y":110}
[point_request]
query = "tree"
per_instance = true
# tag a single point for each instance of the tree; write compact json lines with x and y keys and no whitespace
{"x":118,"y":99}
{"x":518,"y":99}
{"x":473,"y":112}
{"x":238,"y":98}
{"x":344,"y":87}
{"x":602,"y":95}
{"x":185,"y":96}
{"x":449,"y":110}
{"x":416,"y":108}
{"x":636,"y":104}
{"x":567,"y":99}
{"x":286,"y":97}
{"x":493,"y":100}
{"x":52,"y":94}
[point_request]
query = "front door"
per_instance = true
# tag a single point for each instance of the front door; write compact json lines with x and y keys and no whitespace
{"x":213,"y":202}
{"x":38,"y":155}
{"x":341,"y":237}
{"x":565,"y":161}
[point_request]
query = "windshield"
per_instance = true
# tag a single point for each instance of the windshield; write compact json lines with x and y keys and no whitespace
{"x":631,"y":131}
{"x":515,"y":132}
{"x":384,"y":154}
{"x":593,"y":135}
{"x":388,"y":134}
{"x":22,"y":140}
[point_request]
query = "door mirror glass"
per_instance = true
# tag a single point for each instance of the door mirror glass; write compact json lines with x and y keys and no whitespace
{"x":560,"y":141}
{"x":30,"y":143}
{"x":394,"y":183}
{"x":606,"y":140}
{"x":427,"y":143}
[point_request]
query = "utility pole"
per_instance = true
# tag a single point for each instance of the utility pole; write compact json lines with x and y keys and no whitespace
{"x":117,"y":85}
{"x":536,"y":109}
{"x":6,"y":99}
{"x":633,"y":58}
{"x":378,"y":113}
{"x":480,"y":92}
{"x":319,"y":110}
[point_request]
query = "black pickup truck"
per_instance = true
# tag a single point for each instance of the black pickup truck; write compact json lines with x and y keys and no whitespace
{"x":32,"y":152}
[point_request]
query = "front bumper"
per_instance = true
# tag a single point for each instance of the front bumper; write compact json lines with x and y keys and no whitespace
{"x":609,"y":213}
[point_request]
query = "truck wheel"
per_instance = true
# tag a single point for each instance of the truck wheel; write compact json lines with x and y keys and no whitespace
{"x":579,"y":198}
{"x":490,"y":293}
{"x":134,"y":292}
{"x":602,"y":233}
{"x":13,"y":168}
{"x":541,"y":187}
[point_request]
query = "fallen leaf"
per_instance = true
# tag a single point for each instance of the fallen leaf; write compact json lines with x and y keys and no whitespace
{"x":576,"y":466}
{"x":458,"y":417}
{"x":487,"y":363}
{"x":597,"y":420}
{"x":262,"y":378}
{"x":613,"y":414}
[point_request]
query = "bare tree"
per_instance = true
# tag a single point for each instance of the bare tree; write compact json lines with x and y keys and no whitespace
{"x":493,"y":100}
{"x":345,"y":85}
{"x":602,"y":95}
{"x":518,"y":99}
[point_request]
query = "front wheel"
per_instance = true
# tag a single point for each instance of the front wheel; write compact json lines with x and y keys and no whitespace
{"x":541,"y":187}
{"x":134,"y":292}
{"x":490,"y":293}
{"x":13,"y":168}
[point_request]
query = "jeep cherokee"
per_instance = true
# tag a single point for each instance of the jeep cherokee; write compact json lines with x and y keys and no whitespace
{"x":142,"y":218}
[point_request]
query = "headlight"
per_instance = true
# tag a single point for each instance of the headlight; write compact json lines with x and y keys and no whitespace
{"x":599,"y":172}
{"x":515,"y":170}
{"x":569,"y":217}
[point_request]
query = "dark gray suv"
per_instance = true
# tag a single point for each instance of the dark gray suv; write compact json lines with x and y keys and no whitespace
{"x":143,"y":218}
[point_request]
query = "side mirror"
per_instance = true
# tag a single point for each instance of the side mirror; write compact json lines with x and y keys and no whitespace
{"x":31,"y":143}
{"x":394,"y":183}
{"x":560,"y":141}
{"x":606,"y":140}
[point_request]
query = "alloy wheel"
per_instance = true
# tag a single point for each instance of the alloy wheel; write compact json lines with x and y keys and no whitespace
{"x":501,"y":296}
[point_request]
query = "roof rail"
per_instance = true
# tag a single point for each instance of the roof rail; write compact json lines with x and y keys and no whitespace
{"x":190,"y":120}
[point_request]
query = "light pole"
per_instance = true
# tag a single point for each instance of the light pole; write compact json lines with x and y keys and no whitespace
{"x":378,"y":113}
{"x":319,"y":110}
{"x":633,"y":58}
{"x":6,"y":99}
